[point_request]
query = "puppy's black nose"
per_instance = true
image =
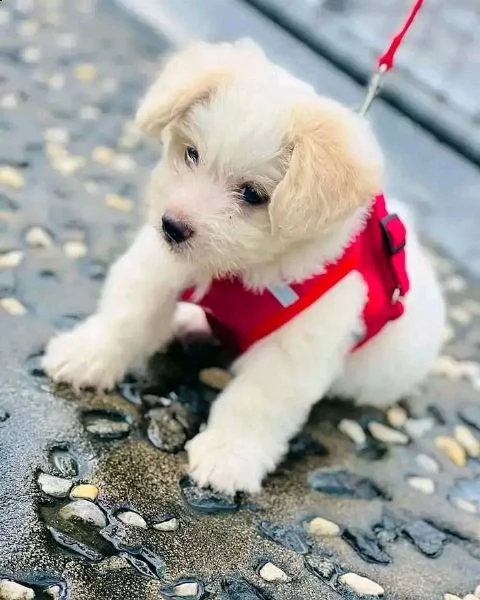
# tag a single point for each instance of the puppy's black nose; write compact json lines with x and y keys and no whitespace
{"x":175,"y":230}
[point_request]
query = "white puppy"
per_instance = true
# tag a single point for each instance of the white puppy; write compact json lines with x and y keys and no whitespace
{"x":260,"y":178}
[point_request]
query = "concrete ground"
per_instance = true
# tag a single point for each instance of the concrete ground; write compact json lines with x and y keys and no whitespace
{"x":392,"y":497}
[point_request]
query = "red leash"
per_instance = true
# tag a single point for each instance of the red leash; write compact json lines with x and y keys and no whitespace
{"x":386,"y":61}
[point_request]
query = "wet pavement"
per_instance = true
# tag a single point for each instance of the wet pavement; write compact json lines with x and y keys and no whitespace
{"x":93,"y":495}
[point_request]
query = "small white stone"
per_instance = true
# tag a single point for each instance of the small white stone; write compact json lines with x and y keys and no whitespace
{"x":124,"y":163}
{"x":91,"y":187}
{"x":30,"y":55}
{"x":469,"y":597}
{"x":321,"y":526}
{"x":353,"y":430}
{"x":5,"y":17}
{"x":57,"y":135}
{"x":419,"y":427}
{"x":58,"y":487}
{"x":422,"y":484}
{"x":38,"y":237}
{"x":132,"y":518}
{"x":68,"y":164}
{"x":455,"y":284}
{"x":9,"y":101}
{"x":386,"y":434}
{"x":215,"y":377}
{"x":460,"y":315}
{"x":13,"y":307}
{"x":10,"y":590}
{"x":361,"y":585}
{"x":54,"y":591}
{"x":397,"y":416}
{"x":83,"y":510}
{"x":75,"y":249}
{"x":428,"y":463}
{"x":11,"y":177}
{"x":451,"y":597}
{"x":68,"y":41}
{"x":119,"y":203}
{"x":11,"y":259}
{"x":467,"y":440}
{"x":465,"y":505}
{"x":187,"y":589}
{"x":56,"y":81}
{"x":89,"y":113}
{"x":28,"y":28}
{"x":168,"y":525}
{"x":271,"y":573}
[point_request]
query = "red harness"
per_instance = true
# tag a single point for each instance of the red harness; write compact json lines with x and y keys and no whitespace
{"x":239,"y":317}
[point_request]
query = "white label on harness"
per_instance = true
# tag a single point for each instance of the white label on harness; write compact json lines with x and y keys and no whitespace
{"x":284,"y":294}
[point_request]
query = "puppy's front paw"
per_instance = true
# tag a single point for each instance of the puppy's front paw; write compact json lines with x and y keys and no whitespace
{"x":88,"y":356}
{"x":230,"y":463}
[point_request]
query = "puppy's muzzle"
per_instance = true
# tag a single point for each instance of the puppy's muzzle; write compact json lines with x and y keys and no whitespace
{"x":175,"y":230}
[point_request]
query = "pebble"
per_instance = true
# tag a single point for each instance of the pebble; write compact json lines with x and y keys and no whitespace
{"x":75,"y":249}
{"x":397,"y":416}
{"x":460,"y":315}
{"x":30,"y":55}
{"x":428,"y":463}
{"x":455,"y":284}
{"x":85,"y":511}
{"x":86,"y":491}
{"x":89,"y":113}
{"x":215,"y":377}
{"x":188,"y":589}
{"x":38,"y":237}
{"x":27,"y":28}
{"x":11,"y":259}
{"x":467,"y":440}
{"x":422,"y":484}
{"x":206,"y":501}
{"x":385,"y":434}
{"x":113,"y":563}
{"x":419,"y":427}
{"x":470,"y":597}
{"x":353,"y":430}
{"x":321,"y":526}
{"x":54,"y":591}
{"x":11,"y":177}
{"x":68,"y":164}
{"x":10,"y":590}
{"x":452,"y":449}
{"x":106,"y":425}
{"x":271,"y":573}
{"x":289,"y":536}
{"x":465,"y":505}
{"x":451,"y":597}
{"x":477,"y":591}
{"x":166,"y":525}
{"x":68,"y":41}
{"x":91,"y":187}
{"x":320,"y":566}
{"x":124,"y":163}
{"x":361,"y":585}
{"x":54,"y":486}
{"x":85,"y":72}
{"x":132,"y":518}
{"x":119,"y":203}
{"x":56,"y":81}
{"x":9,"y":101}
{"x":57,"y":135}
{"x":103,"y":155}
{"x":366,"y":545}
{"x":429,"y":540}
{"x":13,"y":307}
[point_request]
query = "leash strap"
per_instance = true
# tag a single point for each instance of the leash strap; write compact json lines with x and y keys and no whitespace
{"x":386,"y":61}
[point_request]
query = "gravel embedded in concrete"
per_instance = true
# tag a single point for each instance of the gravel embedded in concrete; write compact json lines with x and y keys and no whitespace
{"x":452,"y":449}
{"x":54,"y":486}
{"x":385,"y":434}
{"x":10,"y":590}
{"x":353,"y":430}
{"x":84,"y":511}
{"x":322,"y":527}
{"x":129,"y":517}
{"x":361,"y":585}
{"x":273,"y":574}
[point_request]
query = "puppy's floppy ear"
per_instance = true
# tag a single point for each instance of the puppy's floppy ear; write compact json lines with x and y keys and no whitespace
{"x":335,"y":167}
{"x":191,"y":76}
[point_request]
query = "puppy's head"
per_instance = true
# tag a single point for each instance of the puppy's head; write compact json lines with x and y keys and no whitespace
{"x":254,"y":162}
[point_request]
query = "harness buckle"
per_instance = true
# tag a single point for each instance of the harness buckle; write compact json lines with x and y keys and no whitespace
{"x":395,"y":243}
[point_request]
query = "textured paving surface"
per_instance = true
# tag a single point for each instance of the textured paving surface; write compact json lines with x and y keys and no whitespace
{"x":403,"y":512}
{"x":438,"y":66}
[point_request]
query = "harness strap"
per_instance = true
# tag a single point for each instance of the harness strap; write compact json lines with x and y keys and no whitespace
{"x":328,"y":280}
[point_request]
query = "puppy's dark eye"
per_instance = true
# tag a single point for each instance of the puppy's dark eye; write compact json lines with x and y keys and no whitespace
{"x":191,"y":156}
{"x":252,"y":196}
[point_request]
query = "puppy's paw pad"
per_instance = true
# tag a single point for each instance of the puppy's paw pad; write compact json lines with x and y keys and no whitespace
{"x":227,"y":464}
{"x":85,"y":357}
